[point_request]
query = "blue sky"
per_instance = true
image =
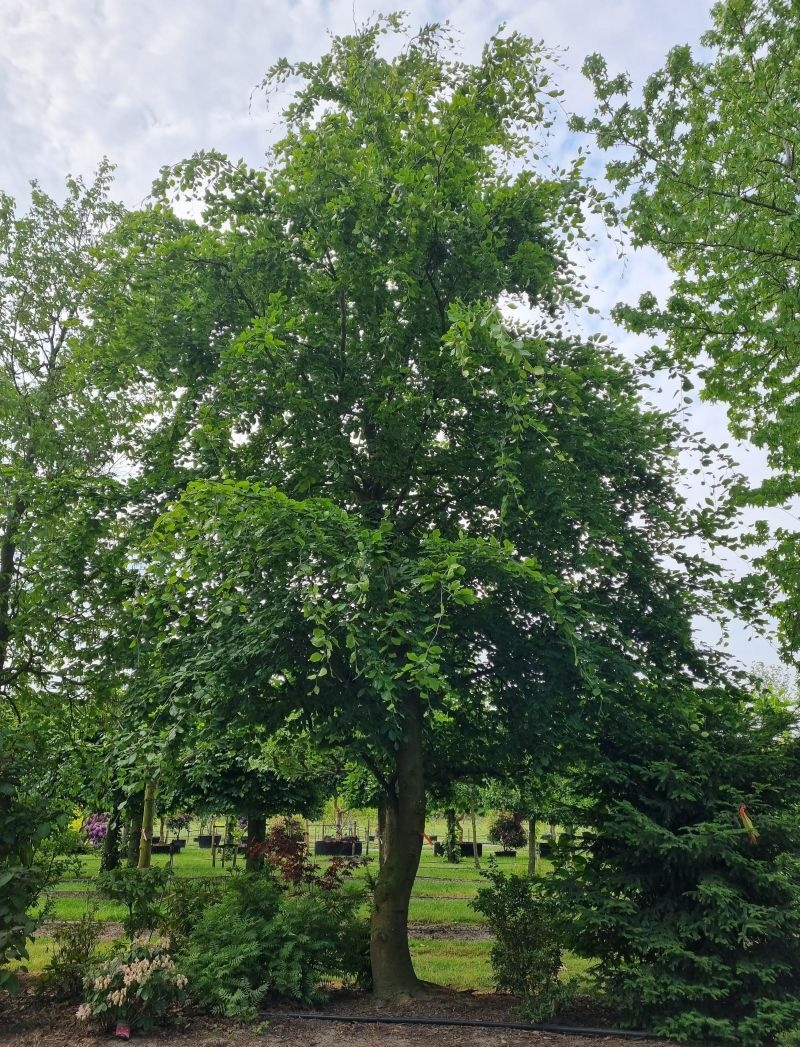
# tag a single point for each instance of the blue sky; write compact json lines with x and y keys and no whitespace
{"x":148,"y":82}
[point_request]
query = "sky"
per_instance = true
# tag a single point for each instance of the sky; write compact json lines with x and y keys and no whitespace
{"x":148,"y":82}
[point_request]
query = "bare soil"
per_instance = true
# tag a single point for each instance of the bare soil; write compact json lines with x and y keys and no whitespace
{"x":32,"y":1020}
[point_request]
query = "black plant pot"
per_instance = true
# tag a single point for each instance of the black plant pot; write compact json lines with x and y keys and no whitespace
{"x":206,"y":841}
{"x":545,"y":849}
{"x":505,"y":854}
{"x":180,"y":844}
{"x":467,"y":850}
{"x":339,"y":848}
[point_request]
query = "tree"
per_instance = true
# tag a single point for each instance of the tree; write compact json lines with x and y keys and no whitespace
{"x":684,"y":886}
{"x":539,"y":794}
{"x":62,"y":429}
{"x":427,"y":512}
{"x":709,"y":165}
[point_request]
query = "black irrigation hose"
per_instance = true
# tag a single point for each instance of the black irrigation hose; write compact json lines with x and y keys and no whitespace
{"x":572,"y":1030}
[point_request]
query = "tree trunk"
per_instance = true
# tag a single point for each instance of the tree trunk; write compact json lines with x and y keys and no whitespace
{"x":475,"y":855}
{"x":533,"y":849}
{"x":8,"y":555}
{"x":147,"y":825}
{"x":404,"y":814}
{"x":214,"y":842}
{"x":452,"y":850}
{"x":134,"y":834}
{"x":381,"y":834}
{"x":228,"y":843}
{"x":110,"y":857}
{"x":256,"y":833}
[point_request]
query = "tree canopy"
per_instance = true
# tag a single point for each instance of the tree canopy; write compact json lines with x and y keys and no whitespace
{"x":410,"y":508}
{"x":708,"y":166}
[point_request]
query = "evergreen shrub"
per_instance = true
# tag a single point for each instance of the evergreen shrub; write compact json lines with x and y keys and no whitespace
{"x":690,"y":903}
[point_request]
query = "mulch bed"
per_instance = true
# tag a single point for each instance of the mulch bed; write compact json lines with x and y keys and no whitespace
{"x":33,"y":1020}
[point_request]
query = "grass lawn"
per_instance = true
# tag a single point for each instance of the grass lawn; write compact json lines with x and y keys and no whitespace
{"x":74,"y":908}
{"x":440,"y":896}
{"x":456,"y":964}
{"x":442,"y":911}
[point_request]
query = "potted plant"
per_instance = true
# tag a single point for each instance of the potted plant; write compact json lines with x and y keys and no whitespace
{"x":338,"y":845}
{"x":507,"y":830}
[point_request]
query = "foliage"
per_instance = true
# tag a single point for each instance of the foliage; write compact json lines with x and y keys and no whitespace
{"x":76,"y":944}
{"x":178,"y":822}
{"x":185,"y":901}
{"x":223,"y":957}
{"x":138,"y":985}
{"x":286,"y":851}
{"x":709,"y":161}
{"x":507,"y":830}
{"x":141,"y":891}
{"x":431,"y":519}
{"x":27,"y":819}
{"x":692,"y":916}
{"x":257,"y":940}
{"x":527,"y":953}
{"x":64,"y":423}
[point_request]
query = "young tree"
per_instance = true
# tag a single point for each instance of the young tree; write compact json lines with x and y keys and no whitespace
{"x":708,"y":163}
{"x":685,"y":886}
{"x":430,"y":513}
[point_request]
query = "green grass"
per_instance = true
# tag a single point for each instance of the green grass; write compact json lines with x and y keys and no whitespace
{"x":467,"y":964}
{"x":456,"y":964}
{"x":39,"y":951}
{"x":447,"y":888}
{"x":74,"y":908}
{"x":441,"y":895}
{"x":440,"y":911}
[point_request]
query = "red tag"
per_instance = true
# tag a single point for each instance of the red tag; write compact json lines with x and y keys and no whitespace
{"x":122,"y":1032}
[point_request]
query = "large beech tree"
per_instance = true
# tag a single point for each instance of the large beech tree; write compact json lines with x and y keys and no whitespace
{"x":425,"y":513}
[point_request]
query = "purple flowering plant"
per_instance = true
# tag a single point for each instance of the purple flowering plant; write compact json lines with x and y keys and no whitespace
{"x":95,"y":827}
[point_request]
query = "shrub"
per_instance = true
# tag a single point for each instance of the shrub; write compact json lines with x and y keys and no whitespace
{"x":258,"y":939}
{"x":138,"y":985}
{"x":76,"y":943}
{"x":286,"y":852}
{"x":693,"y":917}
{"x":141,"y":891}
{"x":507,"y":830}
{"x":526,"y":955}
{"x":184,"y":903}
{"x":94,"y":828}
{"x":224,"y":955}
{"x":27,"y":819}
{"x":178,"y":822}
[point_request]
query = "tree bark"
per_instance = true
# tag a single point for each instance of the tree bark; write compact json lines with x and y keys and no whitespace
{"x":8,"y":553}
{"x":533,"y":850}
{"x":452,"y":849}
{"x":146,"y":840}
{"x":111,"y":857}
{"x":256,"y":833}
{"x":404,"y":822}
{"x":475,"y":854}
{"x":381,"y":834}
{"x":134,"y":833}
